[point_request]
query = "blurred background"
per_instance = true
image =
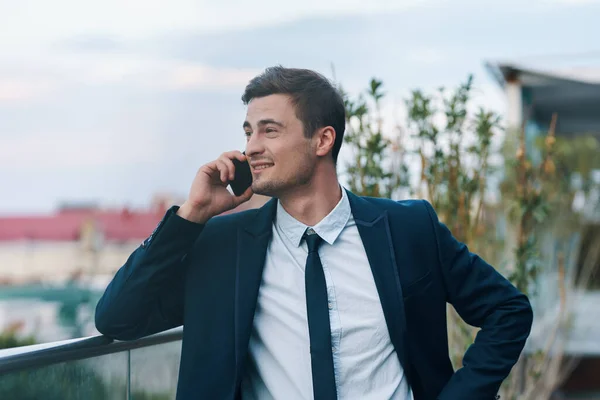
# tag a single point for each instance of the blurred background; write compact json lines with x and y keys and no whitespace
{"x":490,"y":110}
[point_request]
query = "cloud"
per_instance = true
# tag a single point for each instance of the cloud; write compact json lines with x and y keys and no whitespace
{"x":22,"y":90}
{"x":190,"y":76}
{"x":49,"y":74}
{"x":137,"y":95}
{"x":75,"y":150}
{"x":135,"y":18}
{"x":571,"y":2}
{"x":425,"y":55}
{"x":161,"y":74}
{"x":92,"y":43}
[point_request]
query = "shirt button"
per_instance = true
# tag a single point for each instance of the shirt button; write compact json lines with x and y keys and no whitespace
{"x":330,"y":306}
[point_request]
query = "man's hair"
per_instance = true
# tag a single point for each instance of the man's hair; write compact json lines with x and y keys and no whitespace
{"x":317,"y":102}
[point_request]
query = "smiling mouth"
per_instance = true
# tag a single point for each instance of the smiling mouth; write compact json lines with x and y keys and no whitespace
{"x":261,"y":167}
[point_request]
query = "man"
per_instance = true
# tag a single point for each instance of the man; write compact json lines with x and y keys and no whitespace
{"x":319,"y":293}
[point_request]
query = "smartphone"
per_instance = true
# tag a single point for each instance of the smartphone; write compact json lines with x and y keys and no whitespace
{"x":242,"y":178}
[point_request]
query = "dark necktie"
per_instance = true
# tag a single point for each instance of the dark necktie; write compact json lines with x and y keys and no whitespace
{"x":319,"y":330}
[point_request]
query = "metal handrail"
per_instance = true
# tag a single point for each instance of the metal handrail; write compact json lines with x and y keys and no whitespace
{"x":29,"y":357}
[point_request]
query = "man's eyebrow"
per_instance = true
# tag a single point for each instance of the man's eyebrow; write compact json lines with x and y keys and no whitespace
{"x":270,"y":121}
{"x":263,"y":122}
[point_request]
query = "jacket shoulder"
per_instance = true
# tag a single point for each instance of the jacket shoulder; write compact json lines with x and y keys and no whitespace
{"x":227,"y":222}
{"x":418,"y":214}
{"x":418,"y":206}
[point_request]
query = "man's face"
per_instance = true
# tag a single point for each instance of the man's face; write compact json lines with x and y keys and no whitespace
{"x":281,"y":157}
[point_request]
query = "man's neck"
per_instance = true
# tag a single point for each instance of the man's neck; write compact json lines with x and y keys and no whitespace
{"x":311,"y":204}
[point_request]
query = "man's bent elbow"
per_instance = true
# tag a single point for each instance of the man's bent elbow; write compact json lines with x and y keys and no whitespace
{"x":108,"y":325}
{"x":525,"y":316}
{"x":103,"y":321}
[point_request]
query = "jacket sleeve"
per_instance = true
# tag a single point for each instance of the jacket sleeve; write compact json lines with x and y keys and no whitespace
{"x":146,"y":295}
{"x":485,"y":299}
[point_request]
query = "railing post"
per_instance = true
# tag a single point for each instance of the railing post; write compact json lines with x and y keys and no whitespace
{"x":128,"y":374}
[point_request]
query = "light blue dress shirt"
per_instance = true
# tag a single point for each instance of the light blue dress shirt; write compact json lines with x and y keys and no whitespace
{"x":365,"y":362}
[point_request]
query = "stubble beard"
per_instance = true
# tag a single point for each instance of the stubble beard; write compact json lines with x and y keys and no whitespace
{"x":279,"y":187}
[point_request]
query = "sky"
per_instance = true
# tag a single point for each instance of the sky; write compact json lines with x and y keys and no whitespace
{"x":113,"y":101}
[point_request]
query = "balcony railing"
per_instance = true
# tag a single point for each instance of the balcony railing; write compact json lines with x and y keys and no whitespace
{"x":93,"y":368}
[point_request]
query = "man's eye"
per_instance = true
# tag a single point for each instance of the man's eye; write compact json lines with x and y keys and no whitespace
{"x":270,"y":130}
{"x":248,"y":134}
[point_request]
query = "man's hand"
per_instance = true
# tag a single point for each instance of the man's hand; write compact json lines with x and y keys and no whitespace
{"x":209,"y":195}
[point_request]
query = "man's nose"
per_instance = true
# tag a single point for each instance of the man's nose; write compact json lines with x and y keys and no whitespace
{"x":254,"y":145}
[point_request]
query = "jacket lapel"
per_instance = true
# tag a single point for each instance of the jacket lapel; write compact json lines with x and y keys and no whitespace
{"x":253,"y":240}
{"x":373,"y":227}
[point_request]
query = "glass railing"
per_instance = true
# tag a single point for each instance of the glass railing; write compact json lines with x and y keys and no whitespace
{"x":93,"y":368}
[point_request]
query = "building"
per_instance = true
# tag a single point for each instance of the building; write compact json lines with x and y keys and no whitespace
{"x":78,"y":240}
{"x":533,"y":95}
{"x":54,"y":267}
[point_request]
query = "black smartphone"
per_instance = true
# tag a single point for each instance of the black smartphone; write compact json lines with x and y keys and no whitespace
{"x":242,"y":178}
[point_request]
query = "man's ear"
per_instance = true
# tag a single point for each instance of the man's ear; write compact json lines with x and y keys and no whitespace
{"x":325,"y":140}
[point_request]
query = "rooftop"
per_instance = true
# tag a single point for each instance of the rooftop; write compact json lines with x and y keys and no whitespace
{"x":68,"y":223}
{"x":531,"y":76}
{"x":571,"y":92}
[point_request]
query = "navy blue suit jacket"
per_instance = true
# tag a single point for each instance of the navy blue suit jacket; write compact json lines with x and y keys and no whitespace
{"x":207,"y":278}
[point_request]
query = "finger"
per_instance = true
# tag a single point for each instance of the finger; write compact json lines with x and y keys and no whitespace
{"x":209,"y":169}
{"x":223,"y":170}
{"x":235,"y":154}
{"x":244,"y":197}
{"x":230,"y":167}
{"x":242,"y":156}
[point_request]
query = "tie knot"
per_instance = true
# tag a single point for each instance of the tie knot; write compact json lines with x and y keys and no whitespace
{"x":312,"y":240}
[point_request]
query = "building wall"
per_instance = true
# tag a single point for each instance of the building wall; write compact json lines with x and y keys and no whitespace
{"x":44,"y":260}
{"x":22,"y":262}
{"x":514,"y":112}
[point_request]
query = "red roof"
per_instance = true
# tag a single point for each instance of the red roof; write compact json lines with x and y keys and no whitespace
{"x":66,"y":225}
{"x":116,"y":225}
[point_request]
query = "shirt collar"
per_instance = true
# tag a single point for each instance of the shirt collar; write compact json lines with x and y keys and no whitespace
{"x":329,"y":228}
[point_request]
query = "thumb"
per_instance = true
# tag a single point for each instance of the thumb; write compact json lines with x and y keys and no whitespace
{"x":244,"y":197}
